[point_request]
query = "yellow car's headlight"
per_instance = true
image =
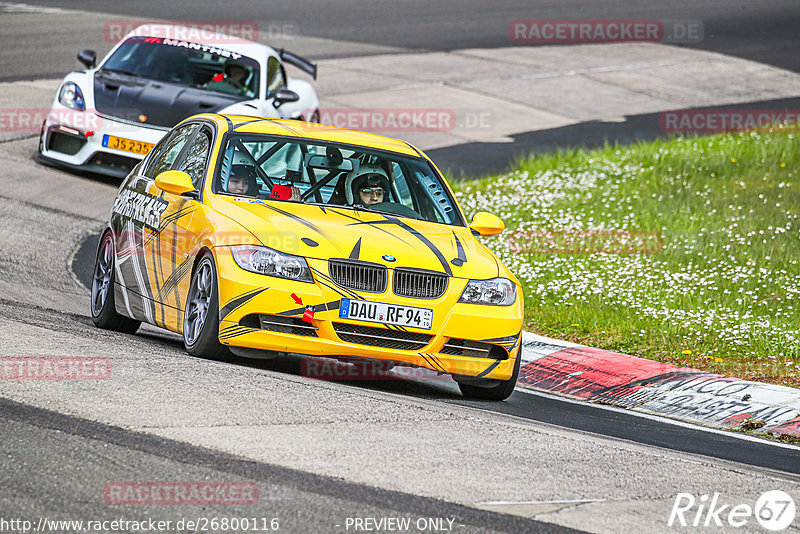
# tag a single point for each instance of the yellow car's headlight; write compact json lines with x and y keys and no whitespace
{"x":494,"y":292}
{"x":263,"y":260}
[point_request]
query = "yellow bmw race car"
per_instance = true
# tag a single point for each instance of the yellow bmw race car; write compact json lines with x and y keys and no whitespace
{"x":258,"y":236}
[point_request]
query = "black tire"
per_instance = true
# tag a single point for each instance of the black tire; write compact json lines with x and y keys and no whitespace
{"x":41,"y":137}
{"x":104,"y":313}
{"x":501,"y":391}
{"x":201,"y":317}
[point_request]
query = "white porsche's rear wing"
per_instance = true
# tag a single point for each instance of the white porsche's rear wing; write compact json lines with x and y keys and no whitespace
{"x":299,"y":62}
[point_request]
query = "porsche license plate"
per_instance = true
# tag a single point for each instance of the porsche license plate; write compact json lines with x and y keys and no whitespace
{"x":128,"y":145}
{"x":381,"y":312}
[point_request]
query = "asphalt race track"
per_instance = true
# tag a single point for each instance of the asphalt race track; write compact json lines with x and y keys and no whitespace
{"x":323,"y":454}
{"x":762,"y":31}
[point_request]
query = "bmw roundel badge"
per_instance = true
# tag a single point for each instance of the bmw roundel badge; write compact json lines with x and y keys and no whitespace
{"x":389,"y":257}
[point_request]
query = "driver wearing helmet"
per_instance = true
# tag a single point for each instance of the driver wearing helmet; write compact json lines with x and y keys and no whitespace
{"x":234,"y":81}
{"x":369,"y":187}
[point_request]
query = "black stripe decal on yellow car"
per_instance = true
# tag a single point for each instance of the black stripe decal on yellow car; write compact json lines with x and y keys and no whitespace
{"x":359,"y":221}
{"x":439,"y":363}
{"x":296,"y":218}
{"x":235,"y":332}
{"x":245,"y":124}
{"x":356,"y":250}
{"x":462,"y":256}
{"x":415,"y":233}
{"x":172,"y":218}
{"x":342,"y":291}
{"x":489,"y":369}
{"x":239,"y":301}
{"x":507,"y":342}
{"x":159,"y":269}
{"x":176,"y":276}
{"x":431,"y":361}
{"x":430,"y":364}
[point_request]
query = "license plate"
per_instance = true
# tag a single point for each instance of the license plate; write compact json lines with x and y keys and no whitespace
{"x":381,"y":312}
{"x":128,"y":145}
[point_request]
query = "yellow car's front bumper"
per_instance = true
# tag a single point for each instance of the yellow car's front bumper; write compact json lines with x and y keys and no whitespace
{"x":243,"y":296}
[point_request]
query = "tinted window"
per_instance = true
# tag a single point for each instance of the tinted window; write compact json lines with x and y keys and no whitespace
{"x":171,"y":150}
{"x":195,"y":157}
{"x":332,"y":174}
{"x":275,"y":77}
{"x":201,"y":66}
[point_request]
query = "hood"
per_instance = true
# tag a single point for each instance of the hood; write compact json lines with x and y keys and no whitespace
{"x":164,"y":104}
{"x":324,"y":232}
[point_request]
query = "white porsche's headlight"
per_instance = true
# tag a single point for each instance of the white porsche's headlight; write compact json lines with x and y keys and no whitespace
{"x":494,"y":292}
{"x":263,"y":260}
{"x":71,"y":96}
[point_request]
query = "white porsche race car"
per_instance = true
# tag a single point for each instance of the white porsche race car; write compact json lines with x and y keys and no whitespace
{"x":107,"y":118}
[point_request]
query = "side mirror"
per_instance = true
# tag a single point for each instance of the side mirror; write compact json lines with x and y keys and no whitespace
{"x":284,"y":95}
{"x":88,"y":58}
{"x":486,"y":224}
{"x":177,"y":183}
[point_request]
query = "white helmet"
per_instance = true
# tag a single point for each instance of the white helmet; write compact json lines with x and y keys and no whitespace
{"x":364,"y":175}
{"x":241,"y":165}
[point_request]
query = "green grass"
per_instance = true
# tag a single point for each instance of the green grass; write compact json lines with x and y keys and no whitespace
{"x":725,"y":283}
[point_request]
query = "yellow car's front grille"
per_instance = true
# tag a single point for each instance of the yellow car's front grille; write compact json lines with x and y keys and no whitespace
{"x":419,"y":284}
{"x":361,"y":276}
{"x":279,"y":323}
{"x":381,"y":337}
{"x":473,"y":349}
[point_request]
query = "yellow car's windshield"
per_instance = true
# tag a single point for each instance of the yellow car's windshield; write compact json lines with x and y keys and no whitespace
{"x":299,"y":170}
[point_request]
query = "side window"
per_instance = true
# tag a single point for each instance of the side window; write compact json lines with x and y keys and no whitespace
{"x":402,"y":187}
{"x":275,"y":76}
{"x":194,"y":159}
{"x":165,"y":158}
{"x":401,"y":184}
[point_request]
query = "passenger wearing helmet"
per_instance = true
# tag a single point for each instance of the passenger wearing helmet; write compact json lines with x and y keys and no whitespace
{"x":242,"y":181}
{"x":242,"y":178}
{"x":369,"y":187}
